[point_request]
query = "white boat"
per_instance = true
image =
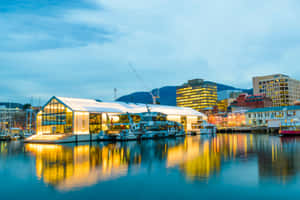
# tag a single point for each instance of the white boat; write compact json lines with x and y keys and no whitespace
{"x":203,"y":127}
{"x":143,"y":125}
{"x":27,"y":134}
{"x":11,"y":134}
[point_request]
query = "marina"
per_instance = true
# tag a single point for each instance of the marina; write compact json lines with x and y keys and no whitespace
{"x":251,"y":163}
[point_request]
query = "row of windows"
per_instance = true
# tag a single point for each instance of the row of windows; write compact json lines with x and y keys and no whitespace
{"x":272,"y":114}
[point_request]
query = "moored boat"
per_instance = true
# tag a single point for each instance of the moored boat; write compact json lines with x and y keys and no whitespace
{"x":203,"y":127}
{"x":143,"y":125}
{"x":290,"y":129}
{"x":290,"y":132}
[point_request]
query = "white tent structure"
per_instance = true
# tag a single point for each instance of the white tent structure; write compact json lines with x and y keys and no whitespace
{"x":75,"y":116}
{"x":90,"y":105}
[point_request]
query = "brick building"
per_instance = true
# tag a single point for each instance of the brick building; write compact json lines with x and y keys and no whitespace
{"x":252,"y":101}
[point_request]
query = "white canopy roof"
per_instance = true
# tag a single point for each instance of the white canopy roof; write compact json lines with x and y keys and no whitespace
{"x":91,"y":105}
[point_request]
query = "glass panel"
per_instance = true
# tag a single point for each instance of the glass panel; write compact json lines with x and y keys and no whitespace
{"x":95,"y":122}
{"x":55,"y":118}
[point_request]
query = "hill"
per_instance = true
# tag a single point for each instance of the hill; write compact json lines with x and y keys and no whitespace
{"x":168,"y":95}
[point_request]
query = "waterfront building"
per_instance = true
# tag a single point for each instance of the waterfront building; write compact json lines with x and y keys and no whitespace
{"x":11,"y":118}
{"x":282,"y":89}
{"x":197,"y":94}
{"x":222,"y":105}
{"x":228,"y":120}
{"x":74,"y":116}
{"x":252,"y":101}
{"x":273,"y":116}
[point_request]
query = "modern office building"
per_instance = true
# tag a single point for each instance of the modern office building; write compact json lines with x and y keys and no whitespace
{"x":282,"y":89}
{"x":197,"y":94}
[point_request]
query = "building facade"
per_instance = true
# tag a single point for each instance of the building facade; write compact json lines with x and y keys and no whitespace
{"x":282,"y":89}
{"x":252,"y":101}
{"x":223,"y":106}
{"x":74,"y":116}
{"x":273,"y":116}
{"x":197,"y":94}
{"x":227,"y":120}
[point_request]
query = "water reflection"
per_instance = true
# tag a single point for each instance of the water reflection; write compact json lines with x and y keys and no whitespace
{"x":67,"y":167}
{"x":204,"y":158}
{"x":198,"y":158}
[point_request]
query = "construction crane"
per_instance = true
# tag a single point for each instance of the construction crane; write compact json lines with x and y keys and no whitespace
{"x":154,"y":97}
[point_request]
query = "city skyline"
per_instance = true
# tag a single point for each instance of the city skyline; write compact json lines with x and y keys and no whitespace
{"x":83,"y":49}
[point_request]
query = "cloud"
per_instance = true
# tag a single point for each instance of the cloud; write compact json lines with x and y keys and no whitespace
{"x":83,"y":50}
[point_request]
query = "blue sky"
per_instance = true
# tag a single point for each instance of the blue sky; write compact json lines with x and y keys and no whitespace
{"x":82,"y":48}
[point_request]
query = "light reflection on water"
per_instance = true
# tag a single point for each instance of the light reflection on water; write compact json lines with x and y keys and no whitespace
{"x":196,"y":159}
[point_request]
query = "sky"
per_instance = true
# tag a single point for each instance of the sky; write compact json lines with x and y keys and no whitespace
{"x":83,"y":48}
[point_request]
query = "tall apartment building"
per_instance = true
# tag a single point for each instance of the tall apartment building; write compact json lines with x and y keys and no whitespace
{"x":197,"y":94}
{"x":282,"y":89}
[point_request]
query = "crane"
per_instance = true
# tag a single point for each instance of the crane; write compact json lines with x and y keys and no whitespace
{"x":154,"y":97}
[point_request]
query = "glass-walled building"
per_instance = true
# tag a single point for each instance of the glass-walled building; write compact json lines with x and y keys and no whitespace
{"x":197,"y":94}
{"x":74,"y":116}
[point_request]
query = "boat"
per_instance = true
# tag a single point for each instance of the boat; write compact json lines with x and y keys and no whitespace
{"x":203,"y":127}
{"x":27,"y":134}
{"x":4,"y":136}
{"x":11,"y":134}
{"x":155,"y":124}
{"x":15,"y":137}
{"x":142,"y":126}
{"x":291,"y":129}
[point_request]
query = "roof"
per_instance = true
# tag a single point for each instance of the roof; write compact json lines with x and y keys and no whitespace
{"x":276,"y":109}
{"x":90,"y":105}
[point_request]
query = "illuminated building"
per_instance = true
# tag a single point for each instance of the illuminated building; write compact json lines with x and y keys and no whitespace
{"x":265,"y":116}
{"x":282,"y":89}
{"x":252,"y":101}
{"x":74,"y":117}
{"x":197,"y":94}
{"x":223,"y":105}
{"x":232,"y":119}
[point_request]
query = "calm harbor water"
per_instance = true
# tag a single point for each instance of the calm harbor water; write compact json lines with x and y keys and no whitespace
{"x":239,"y":166}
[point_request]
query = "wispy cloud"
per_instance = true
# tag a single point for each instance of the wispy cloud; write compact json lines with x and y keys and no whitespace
{"x":83,"y":49}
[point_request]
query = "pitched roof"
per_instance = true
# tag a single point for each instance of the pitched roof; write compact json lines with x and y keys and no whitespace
{"x":90,"y":105}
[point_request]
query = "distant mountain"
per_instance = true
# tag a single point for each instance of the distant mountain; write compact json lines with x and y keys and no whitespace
{"x":168,"y":95}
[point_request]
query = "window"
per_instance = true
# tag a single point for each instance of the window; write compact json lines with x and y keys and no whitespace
{"x":95,"y":122}
{"x":56,"y":118}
